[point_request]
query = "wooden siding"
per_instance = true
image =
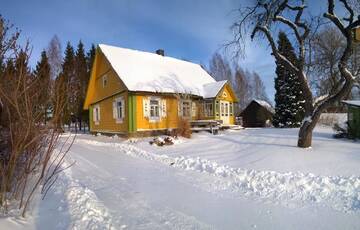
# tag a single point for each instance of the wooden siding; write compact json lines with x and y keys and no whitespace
{"x":170,"y":121}
{"x":107,"y":122}
{"x":255,"y":115}
{"x":134,"y":120}
{"x":96,"y":91}
{"x":226,"y":94}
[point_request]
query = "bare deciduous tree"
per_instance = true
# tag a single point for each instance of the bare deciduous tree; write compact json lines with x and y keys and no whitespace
{"x":28,"y":157}
{"x":326,"y":49}
{"x":261,"y":21}
{"x":54,"y":55}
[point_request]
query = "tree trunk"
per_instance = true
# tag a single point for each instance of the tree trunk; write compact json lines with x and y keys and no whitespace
{"x":305,"y":134}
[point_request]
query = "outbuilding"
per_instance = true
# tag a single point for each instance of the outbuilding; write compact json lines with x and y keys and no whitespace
{"x":353,"y":113}
{"x":257,"y":114}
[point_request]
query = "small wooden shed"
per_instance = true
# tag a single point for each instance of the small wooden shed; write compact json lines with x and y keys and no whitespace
{"x":353,"y":113}
{"x":257,"y":114}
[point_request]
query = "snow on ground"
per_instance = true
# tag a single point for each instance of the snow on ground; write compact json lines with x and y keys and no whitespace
{"x":247,"y":179}
{"x":270,"y":149}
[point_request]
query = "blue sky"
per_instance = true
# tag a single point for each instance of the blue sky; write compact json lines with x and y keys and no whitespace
{"x":187,"y":29}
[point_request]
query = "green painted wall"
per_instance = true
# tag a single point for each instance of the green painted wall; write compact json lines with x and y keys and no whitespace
{"x":354,"y":121}
{"x":217,"y":109}
{"x":132,"y":113}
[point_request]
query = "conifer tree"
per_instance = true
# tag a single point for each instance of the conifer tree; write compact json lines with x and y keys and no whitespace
{"x":67,"y":78}
{"x":289,"y":102}
{"x":81,"y":74}
{"x":90,"y":58}
{"x":42,"y":75}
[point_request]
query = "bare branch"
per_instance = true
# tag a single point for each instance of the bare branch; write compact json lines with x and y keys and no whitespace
{"x":350,"y":19}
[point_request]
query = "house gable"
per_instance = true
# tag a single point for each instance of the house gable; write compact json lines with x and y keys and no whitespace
{"x":227,"y":93}
{"x":101,"y":70}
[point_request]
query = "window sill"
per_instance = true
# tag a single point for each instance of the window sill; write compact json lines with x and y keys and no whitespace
{"x":119,"y":121}
{"x":97,"y":123}
{"x":154,"y":119}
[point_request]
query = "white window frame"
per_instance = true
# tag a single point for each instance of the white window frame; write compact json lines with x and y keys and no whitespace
{"x":189,"y":109}
{"x":119,"y":117}
{"x":231,"y":108}
{"x":104,"y":79}
{"x":208,"y":109}
{"x":151,"y":108}
{"x":96,"y":115}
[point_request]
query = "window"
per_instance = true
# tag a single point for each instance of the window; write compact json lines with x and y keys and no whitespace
{"x":193,"y":109}
{"x":224,"y":94}
{"x":208,"y":109}
{"x":226,"y":109}
{"x":104,"y":80}
{"x":154,"y":109}
{"x":231,"y":108}
{"x":96,"y":114}
{"x":222,"y":109}
{"x":217,"y":108}
{"x":186,"y":108}
{"x":119,"y":109}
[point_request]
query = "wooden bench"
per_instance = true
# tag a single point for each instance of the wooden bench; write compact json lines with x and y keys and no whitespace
{"x":206,"y":125}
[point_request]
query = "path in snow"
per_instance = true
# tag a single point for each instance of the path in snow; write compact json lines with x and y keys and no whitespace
{"x":122,"y":186}
{"x":135,"y":189}
{"x":341,"y":193}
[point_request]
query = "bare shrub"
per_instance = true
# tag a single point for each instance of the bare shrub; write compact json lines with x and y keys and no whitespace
{"x":184,"y":128}
{"x":28,"y":155}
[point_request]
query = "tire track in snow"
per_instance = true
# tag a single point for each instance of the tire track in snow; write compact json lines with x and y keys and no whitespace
{"x":86,"y":211}
{"x":340,"y":193}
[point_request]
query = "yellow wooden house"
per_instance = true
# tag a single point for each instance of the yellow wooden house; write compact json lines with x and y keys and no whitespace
{"x":132,"y":92}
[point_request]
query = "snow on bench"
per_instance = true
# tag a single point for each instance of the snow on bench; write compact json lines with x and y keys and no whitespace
{"x":206,"y":125}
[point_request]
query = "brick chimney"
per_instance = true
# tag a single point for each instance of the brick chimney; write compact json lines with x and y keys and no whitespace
{"x":160,"y":52}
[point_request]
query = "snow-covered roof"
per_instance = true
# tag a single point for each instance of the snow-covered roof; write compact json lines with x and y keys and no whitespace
{"x":265,"y":104}
{"x":150,"y":72}
{"x":212,"y":89}
{"x":353,"y":103}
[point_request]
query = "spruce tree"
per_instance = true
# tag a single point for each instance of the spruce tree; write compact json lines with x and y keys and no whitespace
{"x":67,"y":78}
{"x":289,"y":102}
{"x":42,"y":77}
{"x":81,"y":74}
{"x":90,"y":58}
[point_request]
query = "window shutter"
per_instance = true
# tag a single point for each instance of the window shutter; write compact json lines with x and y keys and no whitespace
{"x":94,"y":113}
{"x":122,"y":108}
{"x":217,"y":108}
{"x":163,"y":108}
{"x":146,"y":106}
{"x":114,"y":110}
